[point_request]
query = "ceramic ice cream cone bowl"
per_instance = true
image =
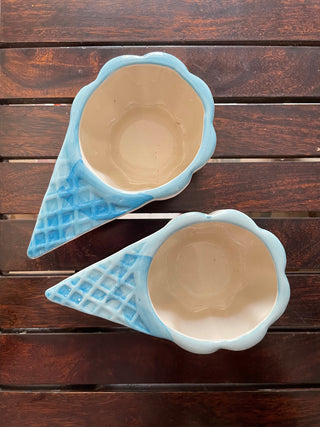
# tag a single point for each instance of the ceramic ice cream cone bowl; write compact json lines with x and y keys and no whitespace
{"x":205,"y":282}
{"x":136,"y":134}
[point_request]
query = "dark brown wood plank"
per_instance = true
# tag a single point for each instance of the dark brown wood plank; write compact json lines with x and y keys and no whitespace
{"x":240,"y":71}
{"x":171,"y":21}
{"x":32,"y":131}
{"x":262,"y":186}
{"x":128,"y":358}
{"x":23,"y":305}
{"x":243,"y":130}
{"x":267,"y":130}
{"x":300,"y":237}
{"x":227,"y":408}
{"x":304,"y":308}
{"x":102,"y":242}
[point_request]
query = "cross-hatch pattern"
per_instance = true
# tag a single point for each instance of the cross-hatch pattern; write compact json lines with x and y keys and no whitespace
{"x":71,"y":207}
{"x":107,"y":290}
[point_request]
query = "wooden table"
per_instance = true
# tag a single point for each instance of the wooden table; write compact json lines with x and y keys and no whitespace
{"x":261,"y":59}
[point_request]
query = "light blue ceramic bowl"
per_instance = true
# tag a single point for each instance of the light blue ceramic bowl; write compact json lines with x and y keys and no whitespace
{"x":77,"y":200}
{"x":117,"y":288}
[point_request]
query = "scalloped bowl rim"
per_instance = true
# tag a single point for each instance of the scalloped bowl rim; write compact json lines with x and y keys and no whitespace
{"x":277,"y":252}
{"x":208,"y":141}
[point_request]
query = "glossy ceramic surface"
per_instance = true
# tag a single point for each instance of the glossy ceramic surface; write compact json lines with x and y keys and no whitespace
{"x":90,"y":187}
{"x":204,"y":282}
{"x":149,"y":132}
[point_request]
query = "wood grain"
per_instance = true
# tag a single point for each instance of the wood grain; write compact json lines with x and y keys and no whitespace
{"x":85,"y":250}
{"x":32,"y":131}
{"x":246,"y":186}
{"x":130,"y":358}
{"x":171,"y":21}
{"x":303,"y":310}
{"x":300,"y":237}
{"x":229,"y":71}
{"x":243,"y":130}
{"x":249,"y":52}
{"x":198,"y":409}
{"x":23,"y":305}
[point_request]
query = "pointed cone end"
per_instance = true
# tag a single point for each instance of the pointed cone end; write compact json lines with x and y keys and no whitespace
{"x":30,"y":251}
{"x":48,"y":294}
{"x":33,"y":251}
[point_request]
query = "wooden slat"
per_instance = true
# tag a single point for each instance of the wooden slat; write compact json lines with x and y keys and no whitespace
{"x":267,"y":130}
{"x":227,"y":408}
{"x":262,"y":186}
{"x":23,"y":305}
{"x":304,"y":308}
{"x":130,"y":357}
{"x":241,"y":71}
{"x":300,"y":237}
{"x":243,"y":130}
{"x":32,"y":131}
{"x":171,"y":21}
{"x":105,"y":240}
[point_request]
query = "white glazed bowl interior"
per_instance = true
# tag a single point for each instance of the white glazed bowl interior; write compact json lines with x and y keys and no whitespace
{"x":213,"y":281}
{"x":141,"y":127}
